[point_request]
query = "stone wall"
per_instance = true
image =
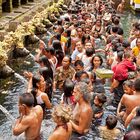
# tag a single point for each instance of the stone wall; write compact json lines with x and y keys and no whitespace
{"x":7,"y":5}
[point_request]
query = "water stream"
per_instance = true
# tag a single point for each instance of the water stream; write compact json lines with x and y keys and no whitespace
{"x":9,"y":101}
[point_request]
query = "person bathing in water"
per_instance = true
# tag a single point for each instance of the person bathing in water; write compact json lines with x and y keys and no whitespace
{"x":30,"y":119}
{"x":61,"y":115}
{"x":82,"y":121}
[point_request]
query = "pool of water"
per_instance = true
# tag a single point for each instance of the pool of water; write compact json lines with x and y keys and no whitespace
{"x":12,"y":87}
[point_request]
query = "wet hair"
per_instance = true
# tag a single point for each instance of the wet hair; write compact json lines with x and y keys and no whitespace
{"x":50,"y":50}
{"x":43,"y":59}
{"x":125,"y":44}
{"x":99,"y":88}
{"x":101,"y":98}
{"x":27,"y":99}
{"x":58,"y":36}
{"x":90,"y":51}
{"x":59,"y":55}
{"x":61,"y":29}
{"x":120,"y":31}
{"x":101,"y":60}
{"x":111,"y":121}
{"x":68,"y":31}
{"x":46,"y":73}
{"x":132,"y":135}
{"x":35,"y":80}
{"x":120,"y":48}
{"x":114,"y":29}
{"x":59,"y":22}
{"x":84,"y":90}
{"x":68,"y":87}
{"x":84,"y":37}
{"x":56,"y":44}
{"x":128,"y":83}
{"x":79,"y":62}
{"x":78,"y":74}
{"x":137,"y":84}
{"x":120,"y":55}
{"x":34,"y":92}
{"x":67,"y":19}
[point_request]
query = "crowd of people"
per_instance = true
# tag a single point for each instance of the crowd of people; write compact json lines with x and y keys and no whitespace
{"x":88,"y":37}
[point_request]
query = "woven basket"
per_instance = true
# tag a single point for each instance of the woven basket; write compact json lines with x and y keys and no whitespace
{"x":104,"y":73}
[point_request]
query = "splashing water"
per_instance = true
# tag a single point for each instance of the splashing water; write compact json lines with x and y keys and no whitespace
{"x":7,"y":114}
{"x":32,"y":56}
{"x":21,"y":78}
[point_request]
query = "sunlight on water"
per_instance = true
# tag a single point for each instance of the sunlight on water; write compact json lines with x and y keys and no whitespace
{"x":7,"y":114}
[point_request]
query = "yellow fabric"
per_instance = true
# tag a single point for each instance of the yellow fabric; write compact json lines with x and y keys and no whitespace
{"x":136,"y":51}
{"x":137,"y":1}
{"x":63,"y":39}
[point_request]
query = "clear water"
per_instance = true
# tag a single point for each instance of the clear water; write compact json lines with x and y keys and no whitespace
{"x":12,"y":87}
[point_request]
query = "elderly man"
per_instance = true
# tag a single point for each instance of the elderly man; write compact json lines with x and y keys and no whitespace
{"x":30,"y":118}
{"x":82,"y":114}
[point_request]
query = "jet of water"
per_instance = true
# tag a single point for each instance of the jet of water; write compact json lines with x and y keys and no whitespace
{"x":21,"y":78}
{"x":32,"y":56}
{"x":7,"y":114}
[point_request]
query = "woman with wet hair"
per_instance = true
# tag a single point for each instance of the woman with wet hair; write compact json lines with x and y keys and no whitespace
{"x":48,"y":77}
{"x":44,"y":62}
{"x":67,"y":97}
{"x":59,"y":53}
{"x":96,"y":63}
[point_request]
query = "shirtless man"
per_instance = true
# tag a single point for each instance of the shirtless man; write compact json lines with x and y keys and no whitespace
{"x":131,"y":101}
{"x":61,"y":116}
{"x":30,"y":118}
{"x":81,"y":121}
{"x":120,"y":7}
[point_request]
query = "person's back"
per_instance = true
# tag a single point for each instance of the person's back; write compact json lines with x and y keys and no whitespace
{"x":109,"y":132}
{"x":30,"y":118}
{"x":35,"y":119}
{"x":131,"y":101}
{"x":61,"y":133}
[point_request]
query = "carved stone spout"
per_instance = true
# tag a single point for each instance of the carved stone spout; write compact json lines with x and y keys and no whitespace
{"x":6,"y":72}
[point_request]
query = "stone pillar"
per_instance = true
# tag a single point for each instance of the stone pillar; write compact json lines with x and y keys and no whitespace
{"x":24,"y":1}
{"x":16,"y":3}
{"x":7,"y":6}
{"x":0,"y":8}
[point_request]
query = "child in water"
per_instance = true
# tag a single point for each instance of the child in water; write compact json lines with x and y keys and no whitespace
{"x":97,"y":105}
{"x":109,"y":132}
{"x":128,"y":87}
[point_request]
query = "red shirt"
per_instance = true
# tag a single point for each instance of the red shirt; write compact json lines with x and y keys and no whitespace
{"x":121,"y":70}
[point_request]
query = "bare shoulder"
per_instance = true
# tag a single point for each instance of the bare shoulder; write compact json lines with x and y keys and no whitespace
{"x":87,"y":109}
{"x":38,"y":109}
{"x":56,"y":135}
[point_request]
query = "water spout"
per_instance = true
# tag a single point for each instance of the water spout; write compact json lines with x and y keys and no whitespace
{"x":21,"y":78}
{"x":32,"y":56}
{"x":7,"y":114}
